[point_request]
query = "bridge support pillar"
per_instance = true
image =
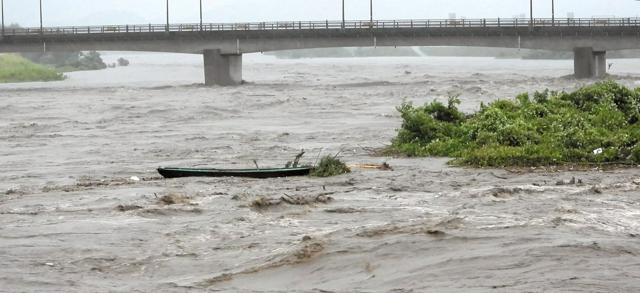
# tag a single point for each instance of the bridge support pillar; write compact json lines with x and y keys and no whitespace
{"x":600,"y":63}
{"x":222,"y":69}
{"x":588,"y":63}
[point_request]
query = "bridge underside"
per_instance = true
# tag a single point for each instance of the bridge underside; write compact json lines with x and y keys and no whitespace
{"x":223,"y":50}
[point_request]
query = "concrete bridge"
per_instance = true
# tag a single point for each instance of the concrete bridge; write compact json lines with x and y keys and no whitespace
{"x":222,"y":45}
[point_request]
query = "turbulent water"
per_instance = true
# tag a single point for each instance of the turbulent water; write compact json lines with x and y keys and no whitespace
{"x":82,"y":209}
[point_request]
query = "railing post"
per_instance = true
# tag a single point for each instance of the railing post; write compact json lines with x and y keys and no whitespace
{"x":168,"y":24}
{"x":2,"y":11}
{"x":41,"y":28}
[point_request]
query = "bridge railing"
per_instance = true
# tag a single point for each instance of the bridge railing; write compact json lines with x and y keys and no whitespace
{"x":326,"y":25}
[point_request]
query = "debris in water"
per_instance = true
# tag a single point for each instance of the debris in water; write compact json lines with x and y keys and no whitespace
{"x":263,"y":202}
{"x":343,"y":211}
{"x":302,"y":200}
{"x":296,"y":160}
{"x":174,"y":198}
{"x":436,"y":233}
{"x":11,"y":191}
{"x":573,"y":181}
{"x":498,"y":176}
{"x":298,"y":200}
{"x":126,"y":208}
{"x":383,"y":167}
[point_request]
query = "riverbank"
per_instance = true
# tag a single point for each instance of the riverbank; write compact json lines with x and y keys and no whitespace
{"x":14,"y":68}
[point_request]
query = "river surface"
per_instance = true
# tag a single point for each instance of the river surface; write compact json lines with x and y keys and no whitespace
{"x":81,"y":208}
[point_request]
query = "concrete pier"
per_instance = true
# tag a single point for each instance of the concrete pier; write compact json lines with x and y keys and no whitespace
{"x":588,"y":63}
{"x":600,"y":63}
{"x":222,"y":69}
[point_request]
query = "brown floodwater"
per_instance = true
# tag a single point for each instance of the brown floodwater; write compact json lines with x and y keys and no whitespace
{"x":83,"y":210}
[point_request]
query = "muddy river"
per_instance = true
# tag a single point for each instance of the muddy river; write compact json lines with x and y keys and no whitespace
{"x":83,"y":210}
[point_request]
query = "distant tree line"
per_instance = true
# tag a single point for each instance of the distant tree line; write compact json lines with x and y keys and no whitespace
{"x":68,"y":61}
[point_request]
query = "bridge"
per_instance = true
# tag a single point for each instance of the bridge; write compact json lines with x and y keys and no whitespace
{"x":222,"y":44}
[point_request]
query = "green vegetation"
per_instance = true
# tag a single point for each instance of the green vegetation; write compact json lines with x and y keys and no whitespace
{"x":596,"y":124}
{"x":14,"y":68}
{"x":330,"y":166}
{"x":69,"y":61}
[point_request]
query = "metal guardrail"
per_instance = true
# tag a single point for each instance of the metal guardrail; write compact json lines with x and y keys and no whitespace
{"x":320,"y":25}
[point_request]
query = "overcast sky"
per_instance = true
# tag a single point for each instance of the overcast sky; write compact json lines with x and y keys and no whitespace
{"x":88,"y":12}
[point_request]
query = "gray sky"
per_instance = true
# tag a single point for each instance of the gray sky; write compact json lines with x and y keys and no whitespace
{"x":87,"y":12}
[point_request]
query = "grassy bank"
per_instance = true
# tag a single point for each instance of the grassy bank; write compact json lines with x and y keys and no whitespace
{"x":595,"y":124}
{"x":14,"y":68}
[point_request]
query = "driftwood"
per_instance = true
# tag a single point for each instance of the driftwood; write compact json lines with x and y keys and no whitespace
{"x":296,"y":160}
{"x":383,"y":166}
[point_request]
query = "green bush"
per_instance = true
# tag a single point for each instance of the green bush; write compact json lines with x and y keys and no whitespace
{"x":330,"y":166}
{"x":599,"y":124}
{"x":14,"y":68}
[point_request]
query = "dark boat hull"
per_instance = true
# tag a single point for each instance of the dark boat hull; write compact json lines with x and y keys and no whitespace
{"x":246,"y":173}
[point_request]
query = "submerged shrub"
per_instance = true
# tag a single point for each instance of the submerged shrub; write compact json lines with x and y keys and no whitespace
{"x":330,"y":166}
{"x":599,"y":123}
{"x":635,"y":153}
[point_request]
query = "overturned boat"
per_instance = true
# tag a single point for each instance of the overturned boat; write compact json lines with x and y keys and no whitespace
{"x":247,"y":173}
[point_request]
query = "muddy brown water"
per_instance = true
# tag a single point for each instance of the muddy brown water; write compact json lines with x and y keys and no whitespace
{"x":75,"y":219}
